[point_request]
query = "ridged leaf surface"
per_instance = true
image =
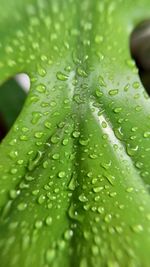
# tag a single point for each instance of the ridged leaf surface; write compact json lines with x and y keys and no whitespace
{"x":74,"y":169}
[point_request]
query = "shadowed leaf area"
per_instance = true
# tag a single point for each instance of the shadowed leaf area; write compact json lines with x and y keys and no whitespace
{"x":11,"y":101}
{"x":140,"y":48}
{"x":74,"y":168}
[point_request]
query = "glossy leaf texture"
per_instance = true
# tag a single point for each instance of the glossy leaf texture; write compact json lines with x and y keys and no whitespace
{"x":74,"y":169}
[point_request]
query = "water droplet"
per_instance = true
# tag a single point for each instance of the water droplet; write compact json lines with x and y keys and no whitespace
{"x":129,"y":189}
{"x":45,"y":164}
{"x":61,"y":76}
{"x":41,"y":199}
{"x":118,"y":133}
{"x":65,"y":141}
{"x":21,"y":206}
{"x":131,"y":150}
{"x":98,"y":189}
{"x":83,"y":198}
{"x":107,"y":218}
{"x":34,"y":162}
{"x":93,"y":156}
{"x":14,"y":193}
{"x":61,"y":174}
{"x":29,"y":178}
{"x":76,"y":134}
{"x":38,"y":224}
{"x":83,"y":142}
{"x":36,"y":117}
{"x":23,"y":138}
{"x":110,"y":178}
{"x":50,"y":255}
{"x":117,"y":109}
{"x":136,"y":85}
{"x":35,"y":192}
{"x":113,"y":92}
{"x":48,"y":125}
{"x":99,"y":39}
{"x":48,"y":220}
{"x":54,"y":139}
{"x":13,"y":154}
{"x":137,"y":228}
{"x":97,"y":240}
{"x":68,"y":234}
{"x":73,"y":214}
{"x":72,"y":183}
{"x":95,"y":250}
{"x":98,"y":93}
{"x":13,"y":171}
{"x":148,"y":216}
{"x":147,"y":134}
{"x":24,"y":129}
{"x":101,"y":81}
{"x":55,"y":156}
{"x":41,"y":88}
{"x":41,"y":71}
{"x":139,"y":164}
{"x":83,"y":262}
{"x":38,"y":135}
{"x":112,"y":194}
{"x":81,"y":72}
{"x":104,"y":124}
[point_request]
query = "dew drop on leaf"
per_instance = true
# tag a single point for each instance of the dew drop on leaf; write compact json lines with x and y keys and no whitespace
{"x":41,"y":199}
{"x":61,"y":76}
{"x":61,"y":174}
{"x":48,"y":220}
{"x":50,"y":255}
{"x":38,"y":224}
{"x":83,"y":198}
{"x":41,"y":88}
{"x":22,"y":206}
{"x":113,"y":92}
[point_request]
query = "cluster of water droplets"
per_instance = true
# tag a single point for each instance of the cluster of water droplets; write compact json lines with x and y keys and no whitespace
{"x":77,"y":154}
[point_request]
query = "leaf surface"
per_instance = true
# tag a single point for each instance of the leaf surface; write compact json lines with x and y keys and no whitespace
{"x":75,"y":166}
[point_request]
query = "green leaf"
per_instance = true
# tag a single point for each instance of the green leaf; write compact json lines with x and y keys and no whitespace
{"x":75,"y":166}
